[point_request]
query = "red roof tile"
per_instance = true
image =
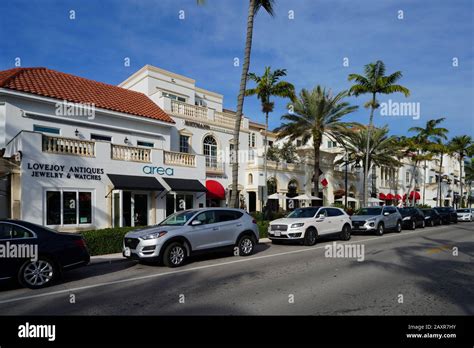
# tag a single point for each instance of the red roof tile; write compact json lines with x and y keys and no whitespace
{"x":59,"y":85}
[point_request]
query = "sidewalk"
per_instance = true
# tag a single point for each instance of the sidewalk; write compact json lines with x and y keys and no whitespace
{"x":109,"y":258}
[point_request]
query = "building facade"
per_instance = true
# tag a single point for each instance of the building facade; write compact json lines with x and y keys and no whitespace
{"x":77,"y":154}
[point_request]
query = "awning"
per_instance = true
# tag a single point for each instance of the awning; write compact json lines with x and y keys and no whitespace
{"x":389,"y":197}
{"x":412,"y":193}
{"x":189,"y":185}
{"x":133,"y":182}
{"x":382,"y":196}
{"x":398,"y":197}
{"x":215,"y":190}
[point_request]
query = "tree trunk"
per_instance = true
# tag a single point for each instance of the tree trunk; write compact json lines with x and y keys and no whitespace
{"x":234,"y":199}
{"x":366,"y":169}
{"x":460,"y":180}
{"x":411,"y":181}
{"x":265,"y":147}
{"x":424,"y":184}
{"x":439,"y":178}
{"x":316,"y":145}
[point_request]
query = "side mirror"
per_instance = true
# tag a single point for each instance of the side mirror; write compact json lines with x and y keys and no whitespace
{"x":321,"y":216}
{"x":196,"y":222}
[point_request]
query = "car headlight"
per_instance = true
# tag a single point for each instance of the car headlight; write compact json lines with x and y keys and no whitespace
{"x":406,"y":218}
{"x":299,"y":224}
{"x":154,"y":235}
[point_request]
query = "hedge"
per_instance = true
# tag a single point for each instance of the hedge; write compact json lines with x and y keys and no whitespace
{"x":105,"y":241}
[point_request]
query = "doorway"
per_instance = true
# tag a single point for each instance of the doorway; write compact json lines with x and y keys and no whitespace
{"x":129,"y":208}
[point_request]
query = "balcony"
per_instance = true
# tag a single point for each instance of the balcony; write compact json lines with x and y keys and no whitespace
{"x":214,"y":167}
{"x":191,"y":111}
{"x":130,"y":153}
{"x":179,"y":159}
{"x":225,"y":119}
{"x":68,"y":146}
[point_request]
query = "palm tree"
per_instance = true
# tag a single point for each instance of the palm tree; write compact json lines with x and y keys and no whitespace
{"x":374,"y":82}
{"x":268,"y":85}
{"x":440,"y":148}
{"x":314,"y":114}
{"x":462,"y":146}
{"x":423,"y":142}
{"x":382,"y":152}
{"x":469,"y":170}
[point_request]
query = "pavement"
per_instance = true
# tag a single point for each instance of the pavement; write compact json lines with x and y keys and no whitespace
{"x":423,"y":272}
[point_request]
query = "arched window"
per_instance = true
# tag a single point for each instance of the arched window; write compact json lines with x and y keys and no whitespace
{"x":210,"y":151}
{"x":250,"y":179}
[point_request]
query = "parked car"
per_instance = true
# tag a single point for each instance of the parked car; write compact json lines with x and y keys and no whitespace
{"x":464,"y":214}
{"x":50,"y":253}
{"x":412,"y":218}
{"x":432,"y":217}
{"x":190,"y":232}
{"x":377,"y":220}
{"x":448,"y":214}
{"x":305,"y":225}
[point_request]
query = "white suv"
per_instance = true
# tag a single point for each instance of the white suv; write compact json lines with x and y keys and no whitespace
{"x":306,"y":224}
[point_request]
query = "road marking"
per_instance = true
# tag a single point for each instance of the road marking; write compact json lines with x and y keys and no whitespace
{"x":202,"y":267}
{"x":436,"y":250}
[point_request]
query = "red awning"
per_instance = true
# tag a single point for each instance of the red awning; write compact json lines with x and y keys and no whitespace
{"x":215,"y":190}
{"x":382,"y":196}
{"x":412,"y":193}
{"x":398,"y":197}
{"x":389,"y":197}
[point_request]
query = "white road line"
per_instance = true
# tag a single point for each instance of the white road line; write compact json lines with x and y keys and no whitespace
{"x":203,"y":267}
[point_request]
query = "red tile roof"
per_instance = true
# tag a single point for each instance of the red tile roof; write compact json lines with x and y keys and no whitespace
{"x":59,"y":85}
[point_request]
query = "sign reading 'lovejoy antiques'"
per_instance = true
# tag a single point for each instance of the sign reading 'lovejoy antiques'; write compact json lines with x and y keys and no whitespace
{"x":57,"y":171}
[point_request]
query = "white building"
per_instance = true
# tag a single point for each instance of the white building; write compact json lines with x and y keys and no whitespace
{"x":79,"y":154}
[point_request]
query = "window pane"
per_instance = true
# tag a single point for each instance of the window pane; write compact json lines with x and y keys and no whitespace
{"x":169,"y":204}
{"x":189,"y":201}
{"x":180,"y":203}
{"x":69,"y":208}
{"x":53,"y":208}
{"x":85,"y":207}
{"x":4,"y":232}
{"x":43,"y":129}
{"x":18,"y":232}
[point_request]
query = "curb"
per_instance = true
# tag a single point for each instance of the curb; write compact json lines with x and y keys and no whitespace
{"x":110,"y":258}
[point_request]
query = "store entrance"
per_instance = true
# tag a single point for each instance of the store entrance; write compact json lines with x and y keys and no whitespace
{"x":129,"y":208}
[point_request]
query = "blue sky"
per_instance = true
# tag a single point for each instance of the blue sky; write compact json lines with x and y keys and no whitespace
{"x":311,"y":46}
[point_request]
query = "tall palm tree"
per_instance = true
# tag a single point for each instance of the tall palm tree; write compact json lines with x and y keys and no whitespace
{"x":268,"y":85}
{"x":462,"y":146}
{"x":315,"y":113}
{"x":382,"y":152}
{"x":469,"y":170}
{"x":254,"y":7}
{"x":424,"y":141}
{"x":374,"y":82}
{"x":440,"y":148}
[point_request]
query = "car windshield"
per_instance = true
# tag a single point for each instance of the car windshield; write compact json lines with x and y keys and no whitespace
{"x":303,"y":213}
{"x":369,"y":211}
{"x":406,"y":211}
{"x":463,"y":210}
{"x":178,"y":219}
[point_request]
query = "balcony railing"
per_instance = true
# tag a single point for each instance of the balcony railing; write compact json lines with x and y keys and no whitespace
{"x":68,"y":146}
{"x":130,"y":153}
{"x":192,"y":111}
{"x":180,"y":159}
{"x":225,"y":119}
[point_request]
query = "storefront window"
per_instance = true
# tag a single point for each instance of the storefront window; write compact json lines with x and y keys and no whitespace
{"x":53,"y":208}
{"x":76,"y":207}
{"x":178,"y":202}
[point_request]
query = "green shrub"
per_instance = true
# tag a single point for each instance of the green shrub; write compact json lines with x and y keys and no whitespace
{"x":105,"y":241}
{"x":263,"y":228}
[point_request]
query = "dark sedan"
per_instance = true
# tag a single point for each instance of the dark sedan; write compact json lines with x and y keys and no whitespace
{"x":447,"y":214}
{"x":412,"y":218}
{"x":36,"y":256}
{"x":432,"y":217}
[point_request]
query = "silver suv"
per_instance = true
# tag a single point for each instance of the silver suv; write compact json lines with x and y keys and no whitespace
{"x":190,"y":232}
{"x":377,"y":219}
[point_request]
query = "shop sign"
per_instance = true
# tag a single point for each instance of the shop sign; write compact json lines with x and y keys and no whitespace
{"x":59,"y":171}
{"x":158,"y":170}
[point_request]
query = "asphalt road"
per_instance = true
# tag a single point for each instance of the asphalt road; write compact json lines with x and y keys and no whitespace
{"x":279,"y":279}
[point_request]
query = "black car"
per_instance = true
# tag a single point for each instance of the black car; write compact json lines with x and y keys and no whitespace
{"x":432,"y":217}
{"x":447,"y":214}
{"x":412,"y":218}
{"x":35,"y":255}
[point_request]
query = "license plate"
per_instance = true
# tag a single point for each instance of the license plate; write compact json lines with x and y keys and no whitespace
{"x":127,"y":252}
{"x":277,"y":233}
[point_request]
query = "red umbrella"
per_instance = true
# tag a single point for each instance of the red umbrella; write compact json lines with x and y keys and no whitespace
{"x":389,"y":197}
{"x":382,"y":196}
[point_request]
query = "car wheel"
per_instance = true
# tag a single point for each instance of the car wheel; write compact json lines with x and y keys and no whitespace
{"x":380,"y":229}
{"x":432,"y":223}
{"x":413,"y":225}
{"x":423,"y":224}
{"x":246,"y":245}
{"x":398,"y":228}
{"x":174,"y":255}
{"x":310,"y":237}
{"x":346,"y":232}
{"x":38,"y":274}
